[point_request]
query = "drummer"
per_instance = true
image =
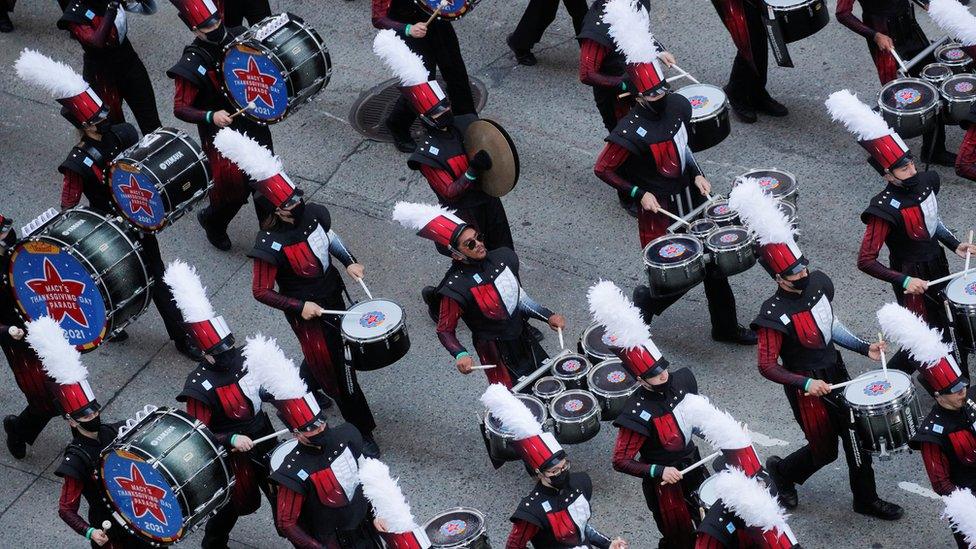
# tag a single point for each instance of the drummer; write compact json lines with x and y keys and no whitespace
{"x":797,"y":325}
{"x":394,"y":521}
{"x":294,"y":249}
{"x":557,"y":511}
{"x":437,"y":44}
{"x":647,"y":156}
{"x":222,"y":394}
{"x":653,"y":436}
{"x":76,"y":401}
{"x":198,"y":99}
{"x":88,"y":163}
{"x":483,"y":288}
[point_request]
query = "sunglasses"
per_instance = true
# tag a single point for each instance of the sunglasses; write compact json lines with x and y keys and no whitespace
{"x":471,"y":243}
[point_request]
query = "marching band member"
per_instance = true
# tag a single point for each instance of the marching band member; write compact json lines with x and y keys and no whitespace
{"x":904,"y":216}
{"x":394,"y":521}
{"x":652,"y":424}
{"x":437,"y":45}
{"x":111,"y":64}
{"x":199,"y":99}
{"x":538,"y":15}
{"x":797,"y":325}
{"x":86,"y":168}
{"x":21,"y":429}
{"x":647,"y":156}
{"x":294,"y":249}
{"x":483,"y":288}
{"x":960,"y":507}
{"x":557,"y":512}
{"x":76,"y":401}
{"x":222,"y":394}
{"x":320,"y":499}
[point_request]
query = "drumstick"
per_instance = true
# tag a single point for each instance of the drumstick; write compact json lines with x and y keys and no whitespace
{"x":106,"y":524}
{"x":483,"y":367}
{"x":250,"y":105}
{"x":839,"y":385}
{"x":700,"y":462}
{"x":672,"y":216}
{"x":440,"y":6}
{"x":269,"y":437}
{"x":685,"y":73}
{"x":968,"y":255}
{"x":365,"y":289}
{"x":952,"y":276}
{"x":884,"y":359}
{"x":560,"y":332}
{"x":334,"y":312}
{"x":901,"y":63}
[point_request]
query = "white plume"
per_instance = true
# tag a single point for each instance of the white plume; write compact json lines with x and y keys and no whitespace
{"x":188,"y":292}
{"x":909,"y":331}
{"x":621,"y":318}
{"x":510,"y":411}
{"x":759,"y":212}
{"x":416,"y":215}
{"x":249,"y":155}
{"x":857,"y":117}
{"x":59,"y":79}
{"x":955,"y":19}
{"x":630,"y":28}
{"x":960,"y":511}
{"x":749,"y":499}
{"x":405,"y":64}
{"x":59,"y":357}
{"x":719,"y":428}
{"x":272,"y":369}
{"x":385,"y":495}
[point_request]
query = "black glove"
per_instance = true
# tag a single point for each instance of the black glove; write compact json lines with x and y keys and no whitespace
{"x":480,"y":162}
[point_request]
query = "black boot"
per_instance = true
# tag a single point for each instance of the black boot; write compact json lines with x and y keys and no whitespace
{"x":370,"y":448}
{"x":186,"y":347}
{"x":324,"y":401}
{"x":402,"y":139}
{"x":6,"y":25}
{"x":772,"y":107}
{"x":218,"y":237}
{"x":523,"y":57}
{"x":880,"y":509}
{"x":642,"y":299}
{"x":15,"y":445}
{"x":786,"y":490}
{"x":740,"y":335}
{"x":744,"y":112}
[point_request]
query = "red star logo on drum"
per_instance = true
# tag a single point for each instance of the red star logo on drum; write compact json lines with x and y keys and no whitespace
{"x":60,"y":295}
{"x":138,"y":197}
{"x":145,"y":496}
{"x":257,"y":85}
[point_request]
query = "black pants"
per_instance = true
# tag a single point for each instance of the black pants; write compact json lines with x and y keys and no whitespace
{"x":439,"y":49}
{"x":236,"y":11}
{"x":121,"y":78}
{"x":162,"y":296}
{"x":490,"y":219}
{"x":30,"y":422}
{"x":721,"y":302}
{"x":672,"y":507}
{"x":538,"y":15}
{"x":747,"y":81}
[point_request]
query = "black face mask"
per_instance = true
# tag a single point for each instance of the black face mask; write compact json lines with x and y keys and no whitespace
{"x":224,"y":361}
{"x":662,"y":387}
{"x":559,"y":481}
{"x":801,"y":284}
{"x":320,"y":439}
{"x":92,"y":425}
{"x":217,"y":36}
{"x":658,"y":106}
{"x":908,"y":183}
{"x":299,"y":211}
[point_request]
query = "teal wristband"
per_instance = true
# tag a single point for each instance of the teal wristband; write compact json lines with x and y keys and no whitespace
{"x":210,"y":117}
{"x":651,"y":471}
{"x":623,"y":86}
{"x":462,"y":354}
{"x":904,"y":283}
{"x":232,"y":437}
{"x":406,"y":30}
{"x":88,"y":534}
{"x":806,"y":386}
{"x":469,"y":176}
{"x":633,"y":192}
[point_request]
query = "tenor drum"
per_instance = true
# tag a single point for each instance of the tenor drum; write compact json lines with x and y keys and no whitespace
{"x":164,"y":475}
{"x":790,"y":212}
{"x":909,"y":105}
{"x":546,"y":388}
{"x":885,"y":412}
{"x":955,"y":57}
{"x":278,"y":64}
{"x":499,"y":439}
{"x":458,"y":528}
{"x":674,"y":264}
{"x":576,"y":415}
{"x":958,"y":93}
{"x":84,"y":270}
{"x":799,"y":19}
{"x":595,"y":343}
{"x":159,"y":179}
{"x":709,"y":124}
{"x":455,"y":9}
{"x":706,"y":495}
{"x":936,"y":73}
{"x":376,"y":336}
{"x":701,"y":227}
{"x":780,"y":183}
{"x":721,"y":214}
{"x":961,"y":294}
{"x":612,"y":386}
{"x":571,"y":369}
{"x":731,"y":249}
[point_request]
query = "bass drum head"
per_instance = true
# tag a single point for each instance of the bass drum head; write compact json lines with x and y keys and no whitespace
{"x":376,"y":319}
{"x":672,"y":250}
{"x":610,"y":378}
{"x":706,"y":100}
{"x":707,"y":495}
{"x":570,"y":366}
{"x":701,"y":227}
{"x":726,"y":238}
{"x":534,"y":405}
{"x":142,"y":496}
{"x":547,"y":387}
{"x":871,"y":389}
{"x":960,"y":87}
{"x":135,"y":194}
{"x":720,"y":212}
{"x":454,"y":9}
{"x":251,"y":73}
{"x":961,"y":291}
{"x":908,"y":95}
{"x":455,"y":528}
{"x":936,"y":72}
{"x":776,"y":182}
{"x":596,"y":342}
{"x":573,"y":405}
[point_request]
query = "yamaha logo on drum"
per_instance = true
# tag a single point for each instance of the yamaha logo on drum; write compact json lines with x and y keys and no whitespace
{"x":169,"y":161}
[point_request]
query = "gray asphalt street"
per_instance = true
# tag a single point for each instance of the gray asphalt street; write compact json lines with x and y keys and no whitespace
{"x":569,"y":233}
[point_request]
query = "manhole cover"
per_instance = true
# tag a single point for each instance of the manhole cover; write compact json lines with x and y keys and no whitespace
{"x":371,"y":108}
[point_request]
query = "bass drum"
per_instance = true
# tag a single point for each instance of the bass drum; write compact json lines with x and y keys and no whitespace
{"x":595,"y":343}
{"x":164,"y":475}
{"x":454,"y":10}
{"x":799,"y":19}
{"x":458,"y":528}
{"x":376,"y":336}
{"x":709,"y":124}
{"x":84,"y":270}
{"x":674,"y":264}
{"x":910,"y":106}
{"x":279,"y":64}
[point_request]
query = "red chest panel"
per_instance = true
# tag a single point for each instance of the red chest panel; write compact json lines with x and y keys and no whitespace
{"x":914,"y":221}
{"x":807,"y":331}
{"x":328,"y":488}
{"x":302,"y":260}
{"x":99,"y":174}
{"x":563,"y":527}
{"x":669,"y":433}
{"x":490,"y":301}
{"x":458,"y":164}
{"x":667,"y":159}
{"x":964,"y":444}
{"x":113,"y":35}
{"x":233,"y":402}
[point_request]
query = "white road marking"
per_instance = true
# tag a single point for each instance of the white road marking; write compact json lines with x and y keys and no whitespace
{"x":920,"y":490}
{"x":767,"y":441}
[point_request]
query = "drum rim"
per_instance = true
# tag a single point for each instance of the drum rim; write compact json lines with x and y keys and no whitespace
{"x":461,"y":544}
{"x":594,"y":412}
{"x":698,"y":256}
{"x":547,"y":378}
{"x":959,"y":282}
{"x":587,"y":349}
{"x":573,"y":377}
{"x":747,"y":243}
{"x":597,"y":391}
{"x":492,"y":430}
{"x":952,"y":46}
{"x":469,"y":6}
{"x":937,"y":64}
{"x":904,"y":397}
{"x":794,"y":7}
{"x":720,"y":217}
{"x":698,"y":492}
{"x":915,"y":110}
{"x":792,"y":186}
{"x":722,"y":108}
{"x":127,"y":523}
{"x":953,"y":78}
{"x":399,"y":326}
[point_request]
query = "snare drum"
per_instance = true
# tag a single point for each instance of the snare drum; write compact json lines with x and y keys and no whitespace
{"x":955,"y":57}
{"x":958,"y":93}
{"x":961,"y":294}
{"x":780,"y":183}
{"x":885,"y":412}
{"x":571,"y":369}
{"x":159,"y":179}
{"x":595,"y":343}
{"x":701,"y":227}
{"x":936,"y":73}
{"x":799,"y":19}
{"x":709,"y":124}
{"x":377,"y":336}
{"x":612,"y":386}
{"x":576,"y":415}
{"x":499,"y":439}
{"x":546,"y":388}
{"x":731,"y":249}
{"x":706,"y":495}
{"x":85,"y":271}
{"x":278,"y":64}
{"x":909,"y":105}
{"x":674,"y":263}
{"x":458,"y":528}
{"x":455,"y":9}
{"x":721,"y":214}
{"x":164,"y":475}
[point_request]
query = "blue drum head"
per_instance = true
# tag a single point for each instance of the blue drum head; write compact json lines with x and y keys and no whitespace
{"x":453,"y":10}
{"x":251,"y":75}
{"x":142,"y":496}
{"x":137,"y":197}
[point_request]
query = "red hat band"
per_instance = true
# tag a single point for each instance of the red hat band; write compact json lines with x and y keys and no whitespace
{"x":647,"y":77}
{"x":75,"y":398}
{"x":781,"y":258}
{"x":83,"y":107}
{"x":779,"y":539}
{"x":211,"y":335}
{"x":442,"y":230}
{"x":944,"y":376}
{"x":425,"y":97}
{"x":886,"y":150}
{"x":643,"y":361}
{"x":743,"y":458}
{"x":414,"y":539}
{"x":300,"y":414}
{"x":197,"y":13}
{"x":277,"y":189}
{"x":539,"y":450}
